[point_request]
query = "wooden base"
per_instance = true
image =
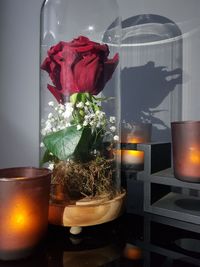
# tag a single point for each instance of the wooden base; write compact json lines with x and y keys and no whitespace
{"x":90,"y":213}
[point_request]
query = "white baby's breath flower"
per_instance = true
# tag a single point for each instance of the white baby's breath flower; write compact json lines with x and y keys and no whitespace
{"x":51,"y":166}
{"x":61,"y":107}
{"x":43,"y":131}
{"x":78,"y":127}
{"x":85,"y":123}
{"x":116,"y":138}
{"x":41,"y":144}
{"x":50,"y":115}
{"x":87,"y":117}
{"x":91,"y":123}
{"x":80,"y":105}
{"x":86,"y":109}
{"x":68,"y":104}
{"x":113,"y":129}
{"x":101,"y":114}
{"x":87,"y":103}
{"x":68,"y":124}
{"x":67,"y":114}
{"x":68,"y":111}
{"x":48,"y":126}
{"x":51,"y":103}
{"x":112,"y":119}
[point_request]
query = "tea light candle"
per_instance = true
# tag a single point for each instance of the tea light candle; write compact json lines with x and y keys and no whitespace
{"x":24,"y":197}
{"x":131,"y":159}
{"x":134,"y":133}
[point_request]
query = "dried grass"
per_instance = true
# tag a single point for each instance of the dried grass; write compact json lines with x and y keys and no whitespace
{"x":92,"y":179}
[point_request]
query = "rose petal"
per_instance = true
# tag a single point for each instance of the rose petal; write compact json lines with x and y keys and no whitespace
{"x":109,"y":67}
{"x":56,"y":93}
{"x":87,"y":72}
{"x":67,"y":80}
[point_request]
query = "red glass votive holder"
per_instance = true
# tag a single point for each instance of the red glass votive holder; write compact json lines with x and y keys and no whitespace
{"x":186,"y":150}
{"x":24,"y":202}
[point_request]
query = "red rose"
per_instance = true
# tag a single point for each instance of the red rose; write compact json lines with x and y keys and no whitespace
{"x":78,"y":66}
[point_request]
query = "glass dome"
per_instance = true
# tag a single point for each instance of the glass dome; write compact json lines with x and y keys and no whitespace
{"x":80,"y":101}
{"x":160,"y":63}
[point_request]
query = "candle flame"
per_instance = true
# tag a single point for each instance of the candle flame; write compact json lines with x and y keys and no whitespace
{"x":19,"y":219}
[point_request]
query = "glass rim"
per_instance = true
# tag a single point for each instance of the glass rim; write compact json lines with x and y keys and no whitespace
{"x":42,"y":173}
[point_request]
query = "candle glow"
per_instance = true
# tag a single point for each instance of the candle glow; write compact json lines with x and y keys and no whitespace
{"x":134,"y":158}
{"x":135,"y":140}
{"x":194,"y":155}
{"x":21,"y":225}
{"x":23,"y":210}
{"x":18,"y":217}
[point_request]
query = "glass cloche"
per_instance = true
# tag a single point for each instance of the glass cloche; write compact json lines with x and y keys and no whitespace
{"x":80,"y":109}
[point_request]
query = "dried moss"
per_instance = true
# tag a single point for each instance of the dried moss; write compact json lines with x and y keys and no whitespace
{"x":92,"y":179}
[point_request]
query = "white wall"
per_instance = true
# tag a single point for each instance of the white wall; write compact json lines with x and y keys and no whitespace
{"x":19,"y":69}
{"x":19,"y":82}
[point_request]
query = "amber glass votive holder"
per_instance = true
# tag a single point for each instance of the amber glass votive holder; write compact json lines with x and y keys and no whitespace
{"x":24,"y":202}
{"x":186,"y":150}
{"x":136,"y":133}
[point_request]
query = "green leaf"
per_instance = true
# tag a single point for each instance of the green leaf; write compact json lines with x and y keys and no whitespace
{"x":47,"y":157}
{"x":63,"y":143}
{"x":73,"y":98}
{"x":84,"y":146}
{"x":79,"y":97}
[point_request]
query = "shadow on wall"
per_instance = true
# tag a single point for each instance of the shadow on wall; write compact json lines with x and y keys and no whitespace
{"x":143,"y":90}
{"x":151,"y":75}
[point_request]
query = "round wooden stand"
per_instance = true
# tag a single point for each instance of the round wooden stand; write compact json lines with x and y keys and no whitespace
{"x":87,"y":213}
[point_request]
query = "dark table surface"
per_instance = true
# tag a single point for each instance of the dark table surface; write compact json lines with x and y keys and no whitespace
{"x":129,"y":241}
